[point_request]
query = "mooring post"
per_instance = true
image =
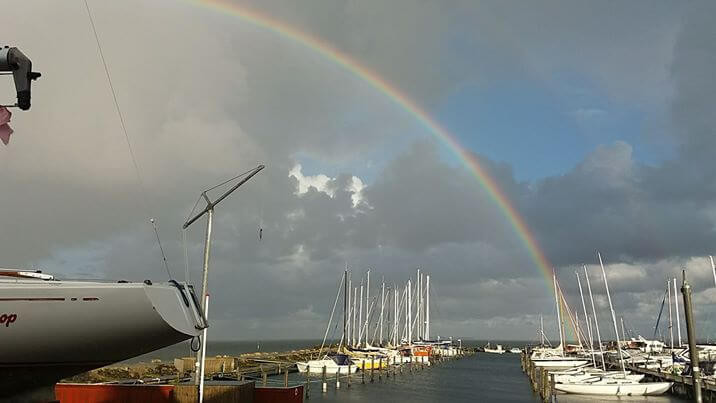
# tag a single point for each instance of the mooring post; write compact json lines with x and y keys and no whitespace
{"x":338,"y":378}
{"x":350,"y":374}
{"x":380,"y":369}
{"x":325,"y":384}
{"x":362,"y":372}
{"x":372,"y":368}
{"x":691,"y":334}
{"x":552,"y":396}
{"x":264,"y":377}
{"x":285,"y":377}
{"x":308,"y":381}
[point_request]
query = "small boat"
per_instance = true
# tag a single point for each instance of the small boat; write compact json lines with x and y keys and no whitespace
{"x":595,"y":378}
{"x":558,"y":362}
{"x":515,"y":350}
{"x":333,"y":365}
{"x":615,"y":389}
{"x":497,"y":350}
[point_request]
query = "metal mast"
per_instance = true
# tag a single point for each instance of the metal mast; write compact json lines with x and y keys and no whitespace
{"x":596,"y":321}
{"x":355,"y":302}
{"x":382,"y":308}
{"x":410,"y":317}
{"x":360,"y":313}
{"x":586,"y":319}
{"x":345,"y":306}
{"x":427,"y":307}
{"x":671,"y":323}
{"x":559,"y":316}
{"x":614,"y":318}
{"x":350,"y":309}
{"x":676,"y":305}
{"x":367,"y":305}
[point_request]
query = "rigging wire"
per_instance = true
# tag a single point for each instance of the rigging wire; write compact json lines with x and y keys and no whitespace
{"x":338,"y":294}
{"x":137,"y":171}
{"x":119,"y":110}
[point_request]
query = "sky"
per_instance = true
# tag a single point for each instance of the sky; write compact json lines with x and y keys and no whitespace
{"x":595,"y":120}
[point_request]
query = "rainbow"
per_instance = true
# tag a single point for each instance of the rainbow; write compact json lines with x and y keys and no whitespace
{"x":467,"y":158}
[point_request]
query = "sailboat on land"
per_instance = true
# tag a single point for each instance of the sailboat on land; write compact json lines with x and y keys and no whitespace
{"x":58,"y":328}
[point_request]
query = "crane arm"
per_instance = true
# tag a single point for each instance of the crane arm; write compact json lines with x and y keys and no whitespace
{"x":13,"y":60}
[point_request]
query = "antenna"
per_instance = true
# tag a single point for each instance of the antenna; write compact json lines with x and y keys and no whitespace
{"x":164,"y":257}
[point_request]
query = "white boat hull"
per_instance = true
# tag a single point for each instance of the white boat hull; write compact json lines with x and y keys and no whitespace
{"x":598,"y":378}
{"x":316,"y":367}
{"x":635,"y":389}
{"x":62,"y":328}
{"x":547,"y":363}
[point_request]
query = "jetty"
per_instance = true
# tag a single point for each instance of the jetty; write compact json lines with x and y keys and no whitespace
{"x":250,"y":377}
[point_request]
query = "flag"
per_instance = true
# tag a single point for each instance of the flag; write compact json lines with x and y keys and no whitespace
{"x":5,"y":129}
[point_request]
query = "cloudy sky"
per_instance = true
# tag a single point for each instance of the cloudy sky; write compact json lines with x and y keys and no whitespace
{"x":596,"y":120}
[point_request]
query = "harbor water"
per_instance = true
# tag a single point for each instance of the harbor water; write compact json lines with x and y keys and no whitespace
{"x":479,"y":378}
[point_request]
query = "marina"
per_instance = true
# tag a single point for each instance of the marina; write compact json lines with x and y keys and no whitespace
{"x":359,"y":201}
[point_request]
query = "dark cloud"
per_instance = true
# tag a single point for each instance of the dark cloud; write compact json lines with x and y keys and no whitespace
{"x":206,"y":96}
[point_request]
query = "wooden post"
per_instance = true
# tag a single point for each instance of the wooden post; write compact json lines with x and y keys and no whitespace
{"x":350,"y":374}
{"x":308,"y":381}
{"x":552,"y":396}
{"x":362,"y":372}
{"x":372,"y":367}
{"x":324,"y":388}
{"x":380,"y":369}
{"x":264,"y":376}
{"x":338,"y":378}
{"x":285,"y":377}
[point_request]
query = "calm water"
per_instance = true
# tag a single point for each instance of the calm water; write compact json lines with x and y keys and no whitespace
{"x":479,"y":378}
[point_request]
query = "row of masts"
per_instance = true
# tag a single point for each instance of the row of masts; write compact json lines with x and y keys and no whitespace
{"x":591,"y":320}
{"x":399,"y":314}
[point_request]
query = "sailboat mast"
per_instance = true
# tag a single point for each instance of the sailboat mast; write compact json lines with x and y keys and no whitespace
{"x":671,"y":324}
{"x":621,"y":319}
{"x":367,"y":304}
{"x":559,"y":316}
{"x":397,"y":318}
{"x":676,"y":305}
{"x":713,"y":268}
{"x":541,"y":330}
{"x":350,"y":309}
{"x":382,"y":307}
{"x":410,"y":317}
{"x":596,"y":321}
{"x":355,"y":303}
{"x":586,"y":319}
{"x":360,"y":313}
{"x":427,"y":307}
{"x":614,"y":317}
{"x":345,"y":306}
{"x":418,"y":295}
